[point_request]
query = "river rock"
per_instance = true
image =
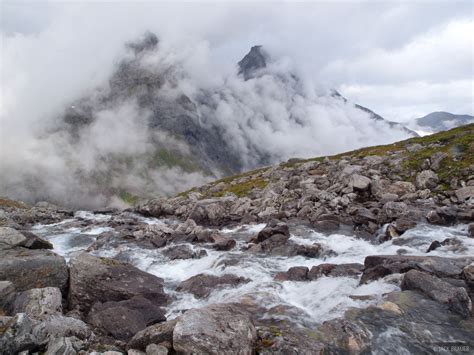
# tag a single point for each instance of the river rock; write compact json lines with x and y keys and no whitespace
{"x":94,"y":279}
{"x":336,"y":270}
{"x":202,"y":285}
{"x":470,"y":230}
{"x":17,"y":334}
{"x":28,"y":269}
{"x":39,"y":302}
{"x":215,"y":329}
{"x":456,"y":298}
{"x":154,"y":334}
{"x":124,"y":319}
{"x":295,"y":273}
{"x":377,"y":266}
{"x":7,"y":296}
{"x":272,"y":228}
{"x":182,"y":252}
{"x":10,"y":238}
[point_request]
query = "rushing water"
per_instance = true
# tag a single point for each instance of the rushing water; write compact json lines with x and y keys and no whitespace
{"x":307,"y":303}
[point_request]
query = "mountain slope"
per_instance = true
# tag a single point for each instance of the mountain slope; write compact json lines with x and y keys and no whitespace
{"x":439,"y":121}
{"x":156,"y":128}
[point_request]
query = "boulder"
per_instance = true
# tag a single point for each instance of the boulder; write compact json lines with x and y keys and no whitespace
{"x":57,"y":326}
{"x":154,"y":334}
{"x":222,"y":243}
{"x":426,"y":179}
{"x":470,"y":230}
{"x":94,"y":279}
{"x":7,"y":296}
{"x":202,"y":285}
{"x":215,"y":329}
{"x":272,"y":228}
{"x":16,"y":334}
{"x":183,"y":252}
{"x":359,"y":182}
{"x":156,"y":349}
{"x":38,"y":303}
{"x":336,"y":270}
{"x":123,"y":319}
{"x":465,"y":193}
{"x":456,"y":298}
{"x":295,"y":273}
{"x":10,"y":238}
{"x":28,"y":269}
{"x":377,"y":266}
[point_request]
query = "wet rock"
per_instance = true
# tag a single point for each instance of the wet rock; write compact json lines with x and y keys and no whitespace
{"x":403,"y":224}
{"x":295,"y":273}
{"x":336,"y":270}
{"x":215,"y":329}
{"x":39,"y":302}
{"x":28,"y":269}
{"x":377,"y":266}
{"x":7,"y":296}
{"x":124,"y":319}
{"x":95,"y":279}
{"x":447,"y":242}
{"x":154,"y":334}
{"x":443,"y":216}
{"x":35,"y":242}
{"x":456,"y":298}
{"x":390,"y":233}
{"x":202,"y":285}
{"x":465,"y":193}
{"x":213,"y":211}
{"x":272,"y":228}
{"x":426,"y":179}
{"x":222,"y":243}
{"x":344,"y":337}
{"x":470,"y":230}
{"x":182,"y":252}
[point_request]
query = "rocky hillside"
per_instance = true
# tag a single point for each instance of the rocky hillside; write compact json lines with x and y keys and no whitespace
{"x":366,"y":251}
{"x":426,"y":178}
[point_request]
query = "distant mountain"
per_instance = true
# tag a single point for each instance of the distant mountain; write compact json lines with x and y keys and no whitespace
{"x":151,"y":130}
{"x":440,"y":121}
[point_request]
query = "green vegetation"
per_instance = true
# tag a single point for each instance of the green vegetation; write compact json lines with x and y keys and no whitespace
{"x":128,"y":198}
{"x":242,"y":189}
{"x":169,"y":158}
{"x":5,"y":202}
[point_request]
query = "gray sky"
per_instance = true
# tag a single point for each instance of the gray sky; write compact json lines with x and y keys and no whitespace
{"x":403,"y":59}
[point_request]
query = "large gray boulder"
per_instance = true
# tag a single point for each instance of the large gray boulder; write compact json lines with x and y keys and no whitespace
{"x":456,"y":298}
{"x":39,"y":302}
{"x":10,"y":238}
{"x":427,"y":179}
{"x":37,"y":268}
{"x":124,"y":319}
{"x":94,"y":279}
{"x":465,"y":193}
{"x":16,"y":334}
{"x":7,"y":296}
{"x":215,"y":329}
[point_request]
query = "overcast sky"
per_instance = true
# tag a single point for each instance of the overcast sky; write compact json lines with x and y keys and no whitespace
{"x":403,"y":59}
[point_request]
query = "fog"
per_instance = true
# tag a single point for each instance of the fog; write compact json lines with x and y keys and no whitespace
{"x":57,"y":53}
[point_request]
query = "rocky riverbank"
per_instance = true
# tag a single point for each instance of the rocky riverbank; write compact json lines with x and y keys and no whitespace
{"x":369,"y":251}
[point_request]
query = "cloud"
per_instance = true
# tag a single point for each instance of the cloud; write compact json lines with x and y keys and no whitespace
{"x":394,"y":57}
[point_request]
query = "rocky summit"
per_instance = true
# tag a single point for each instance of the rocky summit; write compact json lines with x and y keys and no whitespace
{"x":370,"y":251}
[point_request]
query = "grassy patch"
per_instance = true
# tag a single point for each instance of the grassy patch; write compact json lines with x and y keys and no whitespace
{"x":242,"y":189}
{"x":5,"y":202}
{"x":128,"y":198}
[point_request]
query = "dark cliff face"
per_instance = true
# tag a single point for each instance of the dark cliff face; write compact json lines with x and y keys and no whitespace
{"x":253,"y":61}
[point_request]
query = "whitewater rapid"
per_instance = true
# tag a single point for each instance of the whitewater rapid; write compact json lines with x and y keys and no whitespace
{"x":307,"y":303}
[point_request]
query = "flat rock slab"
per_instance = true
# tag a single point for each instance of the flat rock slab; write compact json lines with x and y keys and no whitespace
{"x":124,"y":319}
{"x":28,"y":269}
{"x":377,"y":266}
{"x":215,"y":329}
{"x":94,"y":279}
{"x":456,"y":298}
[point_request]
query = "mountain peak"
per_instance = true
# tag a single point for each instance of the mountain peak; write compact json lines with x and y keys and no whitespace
{"x":254,"y":60}
{"x":147,"y":42}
